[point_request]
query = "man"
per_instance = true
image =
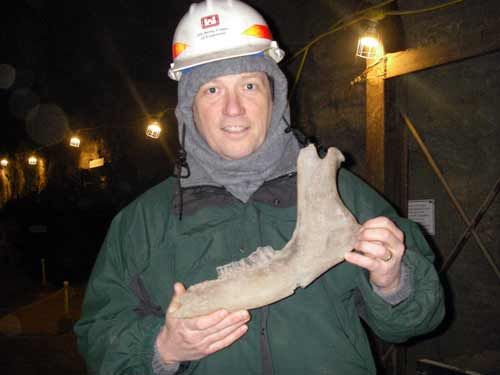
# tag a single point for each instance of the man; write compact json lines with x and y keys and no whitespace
{"x":235,"y":191}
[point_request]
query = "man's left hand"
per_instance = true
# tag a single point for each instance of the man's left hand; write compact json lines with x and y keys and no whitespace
{"x":379,"y":249}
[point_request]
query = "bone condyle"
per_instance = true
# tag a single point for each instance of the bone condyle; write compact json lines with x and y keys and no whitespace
{"x":325,"y":231}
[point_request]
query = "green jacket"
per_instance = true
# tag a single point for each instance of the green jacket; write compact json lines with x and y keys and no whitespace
{"x":315,"y":331}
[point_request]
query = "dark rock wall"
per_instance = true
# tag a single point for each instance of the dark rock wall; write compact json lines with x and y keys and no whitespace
{"x":455,"y":108}
{"x":19,"y":179}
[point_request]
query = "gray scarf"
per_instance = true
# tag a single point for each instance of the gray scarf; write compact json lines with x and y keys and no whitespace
{"x":242,"y":177}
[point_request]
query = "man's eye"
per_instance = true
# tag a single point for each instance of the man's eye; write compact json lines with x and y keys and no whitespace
{"x":249,"y":86}
{"x":211,"y":90}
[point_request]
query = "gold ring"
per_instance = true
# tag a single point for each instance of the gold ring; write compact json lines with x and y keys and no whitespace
{"x":388,"y":257}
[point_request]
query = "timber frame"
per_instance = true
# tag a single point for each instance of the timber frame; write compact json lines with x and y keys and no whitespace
{"x":387,"y":130}
{"x":382,"y":121}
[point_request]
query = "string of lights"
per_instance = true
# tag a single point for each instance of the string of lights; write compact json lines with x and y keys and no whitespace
{"x":153,"y":130}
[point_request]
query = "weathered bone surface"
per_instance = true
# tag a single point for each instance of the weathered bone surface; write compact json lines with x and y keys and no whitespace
{"x":324,"y":233}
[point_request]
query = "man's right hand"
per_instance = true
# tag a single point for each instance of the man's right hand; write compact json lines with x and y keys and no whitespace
{"x":190,"y":339}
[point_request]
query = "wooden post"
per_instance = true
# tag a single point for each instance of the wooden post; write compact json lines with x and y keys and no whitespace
{"x":396,"y":146}
{"x":375,"y":129}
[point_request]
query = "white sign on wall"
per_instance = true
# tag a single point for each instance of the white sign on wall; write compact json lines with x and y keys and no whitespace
{"x":422,"y":211}
{"x":96,"y":163}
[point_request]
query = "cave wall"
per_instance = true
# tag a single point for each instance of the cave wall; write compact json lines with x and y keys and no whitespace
{"x":20,"y":179}
{"x":454,"y":108}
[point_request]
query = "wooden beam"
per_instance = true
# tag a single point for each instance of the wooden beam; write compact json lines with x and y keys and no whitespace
{"x":396,"y":146}
{"x":375,"y":133}
{"x":413,"y":60}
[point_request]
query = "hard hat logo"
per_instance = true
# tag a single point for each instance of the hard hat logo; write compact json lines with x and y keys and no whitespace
{"x":210,"y":21}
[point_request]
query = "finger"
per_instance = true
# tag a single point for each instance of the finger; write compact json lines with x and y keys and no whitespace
{"x":179,"y":290}
{"x":372,"y":249}
{"x":362,"y":261}
{"x":201,"y":338}
{"x":377,"y":234}
{"x":235,"y":318}
{"x":223,"y":333}
{"x":384,"y":222}
{"x":204,"y":322}
{"x":210,"y":326}
{"x":383,"y":236}
{"x":228,"y":340}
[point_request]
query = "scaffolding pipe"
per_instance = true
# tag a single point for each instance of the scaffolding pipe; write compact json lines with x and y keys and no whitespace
{"x":457,"y":205}
{"x":475,"y":221}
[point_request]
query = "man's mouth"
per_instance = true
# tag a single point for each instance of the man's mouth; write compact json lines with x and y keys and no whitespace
{"x":234,"y":129}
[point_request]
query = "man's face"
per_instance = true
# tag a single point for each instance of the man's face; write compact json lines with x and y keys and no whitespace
{"x":233,"y":112}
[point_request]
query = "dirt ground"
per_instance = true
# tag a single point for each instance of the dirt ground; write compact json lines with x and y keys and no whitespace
{"x":33,"y":354}
{"x":37,"y":355}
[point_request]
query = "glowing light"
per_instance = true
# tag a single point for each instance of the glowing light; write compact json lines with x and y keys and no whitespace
{"x":369,"y":44}
{"x":4,"y":162}
{"x":153,"y":130}
{"x":74,"y":142}
{"x":32,"y":160}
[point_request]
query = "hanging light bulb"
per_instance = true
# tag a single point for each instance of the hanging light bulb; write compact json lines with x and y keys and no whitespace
{"x":153,"y":130}
{"x":369,"y":44}
{"x":32,"y":160}
{"x":4,"y":162}
{"x":74,"y":141}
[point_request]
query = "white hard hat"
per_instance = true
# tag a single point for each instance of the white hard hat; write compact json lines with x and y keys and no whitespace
{"x":220,"y":29}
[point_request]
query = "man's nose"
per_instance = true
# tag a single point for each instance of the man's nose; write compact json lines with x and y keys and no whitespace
{"x":234,"y":105}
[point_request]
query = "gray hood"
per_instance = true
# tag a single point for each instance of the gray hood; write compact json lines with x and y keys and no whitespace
{"x":242,"y":177}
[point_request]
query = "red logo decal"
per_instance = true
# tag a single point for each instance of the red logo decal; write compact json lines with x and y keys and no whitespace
{"x":210,"y":21}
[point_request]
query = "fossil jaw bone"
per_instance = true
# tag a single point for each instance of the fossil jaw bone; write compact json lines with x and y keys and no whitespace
{"x":325,"y":231}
